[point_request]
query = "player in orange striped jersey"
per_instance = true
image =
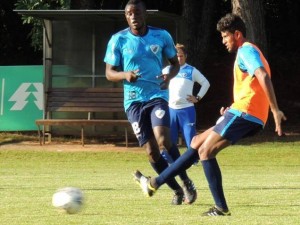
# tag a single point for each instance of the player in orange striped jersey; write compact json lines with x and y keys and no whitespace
{"x":253,"y":97}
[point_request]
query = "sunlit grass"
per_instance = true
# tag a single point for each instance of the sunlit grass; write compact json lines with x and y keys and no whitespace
{"x":261,"y":182}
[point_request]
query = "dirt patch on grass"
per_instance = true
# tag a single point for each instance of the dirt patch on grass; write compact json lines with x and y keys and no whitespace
{"x":68,"y":147}
{"x":28,"y":141}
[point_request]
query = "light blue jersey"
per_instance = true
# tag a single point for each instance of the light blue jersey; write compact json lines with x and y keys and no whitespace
{"x":186,"y":72}
{"x":144,"y":53}
{"x":248,"y":59}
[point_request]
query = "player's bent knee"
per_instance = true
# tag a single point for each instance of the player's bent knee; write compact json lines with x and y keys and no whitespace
{"x":204,"y":154}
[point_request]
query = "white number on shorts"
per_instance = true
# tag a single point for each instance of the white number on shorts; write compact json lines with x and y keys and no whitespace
{"x":136,"y":128}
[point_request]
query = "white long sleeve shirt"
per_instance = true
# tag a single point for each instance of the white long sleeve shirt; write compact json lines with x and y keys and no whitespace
{"x":182,"y":85}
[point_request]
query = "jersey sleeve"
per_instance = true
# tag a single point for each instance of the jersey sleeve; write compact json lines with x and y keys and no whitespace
{"x":201,"y":79}
{"x":113,"y":54}
{"x":248,"y":59}
{"x":169,"y":49}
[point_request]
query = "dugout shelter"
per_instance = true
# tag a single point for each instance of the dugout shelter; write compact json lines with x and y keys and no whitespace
{"x":75,"y":41}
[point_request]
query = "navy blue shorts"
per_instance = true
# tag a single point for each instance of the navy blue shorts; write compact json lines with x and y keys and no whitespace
{"x":143,"y":116}
{"x":234,"y":127}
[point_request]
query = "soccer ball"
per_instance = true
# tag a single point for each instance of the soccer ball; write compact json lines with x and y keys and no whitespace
{"x":68,"y":199}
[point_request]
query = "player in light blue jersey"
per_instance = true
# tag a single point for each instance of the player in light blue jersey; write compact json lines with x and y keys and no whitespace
{"x":135,"y":56}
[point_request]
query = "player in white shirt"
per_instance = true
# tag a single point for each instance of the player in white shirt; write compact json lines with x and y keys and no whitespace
{"x":181,"y":98}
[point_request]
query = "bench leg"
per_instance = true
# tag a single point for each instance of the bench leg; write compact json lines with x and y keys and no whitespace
{"x":43,"y":134}
{"x":39,"y":133}
{"x":82,"y":136}
{"x":49,"y":136}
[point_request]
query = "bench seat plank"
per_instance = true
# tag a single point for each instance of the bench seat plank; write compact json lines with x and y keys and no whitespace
{"x":81,"y":122}
{"x":89,"y":100}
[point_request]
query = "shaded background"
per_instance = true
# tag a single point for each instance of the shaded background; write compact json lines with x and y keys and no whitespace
{"x":282,"y":19}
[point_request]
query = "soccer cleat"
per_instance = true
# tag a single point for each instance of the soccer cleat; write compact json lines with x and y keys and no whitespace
{"x":214,"y":211}
{"x":178,"y":197}
{"x":144,"y":183}
{"x":190,"y":192}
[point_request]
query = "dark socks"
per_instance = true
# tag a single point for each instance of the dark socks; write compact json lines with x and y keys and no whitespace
{"x":167,"y":156}
{"x":184,"y":162}
{"x":214,"y":177}
{"x":175,"y":154}
{"x":159,"y":167}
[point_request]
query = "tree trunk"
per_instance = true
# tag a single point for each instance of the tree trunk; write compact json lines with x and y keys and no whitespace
{"x":197,"y":17}
{"x":252,"y":12}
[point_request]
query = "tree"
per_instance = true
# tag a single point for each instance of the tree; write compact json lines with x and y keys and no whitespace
{"x":252,"y":12}
{"x":198,"y":21}
{"x":36,"y":33}
{"x":14,"y":42}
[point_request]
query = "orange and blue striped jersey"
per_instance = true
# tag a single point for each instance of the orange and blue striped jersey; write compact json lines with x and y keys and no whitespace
{"x":249,"y":97}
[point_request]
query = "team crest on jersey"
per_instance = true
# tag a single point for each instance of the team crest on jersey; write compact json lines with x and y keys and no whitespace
{"x":183,"y":75}
{"x":160,"y":113}
{"x":132,"y":95}
{"x":154,"y":48}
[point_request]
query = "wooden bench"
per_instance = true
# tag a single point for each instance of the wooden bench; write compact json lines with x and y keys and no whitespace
{"x":89,"y":100}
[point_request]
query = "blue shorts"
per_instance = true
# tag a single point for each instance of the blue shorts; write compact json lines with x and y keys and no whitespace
{"x":143,"y":116}
{"x":234,"y":127}
{"x":184,"y":121}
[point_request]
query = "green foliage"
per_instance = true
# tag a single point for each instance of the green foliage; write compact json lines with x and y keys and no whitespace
{"x":261,"y":182}
{"x":36,"y":33}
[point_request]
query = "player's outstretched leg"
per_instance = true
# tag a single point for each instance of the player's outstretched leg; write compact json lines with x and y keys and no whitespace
{"x":150,"y":185}
{"x":149,"y":190}
{"x":144,"y":183}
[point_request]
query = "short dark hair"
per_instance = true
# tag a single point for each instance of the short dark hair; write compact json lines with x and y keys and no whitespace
{"x":136,"y":2}
{"x":231,"y":22}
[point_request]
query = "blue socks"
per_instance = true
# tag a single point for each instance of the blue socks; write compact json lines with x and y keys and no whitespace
{"x":160,"y":166}
{"x":184,"y":162}
{"x":175,"y":154}
{"x":167,"y":156}
{"x":214,"y":177}
{"x":211,"y":170}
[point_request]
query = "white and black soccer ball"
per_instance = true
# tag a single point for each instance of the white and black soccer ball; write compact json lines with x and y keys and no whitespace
{"x":68,"y":199}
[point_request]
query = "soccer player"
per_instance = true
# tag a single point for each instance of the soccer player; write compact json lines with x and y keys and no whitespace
{"x":181,"y":98}
{"x":253,"y":96}
{"x":135,"y":56}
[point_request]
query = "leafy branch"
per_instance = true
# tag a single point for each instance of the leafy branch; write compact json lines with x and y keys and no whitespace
{"x":36,"y":33}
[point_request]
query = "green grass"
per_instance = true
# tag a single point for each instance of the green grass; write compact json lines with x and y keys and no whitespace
{"x":261,"y":183}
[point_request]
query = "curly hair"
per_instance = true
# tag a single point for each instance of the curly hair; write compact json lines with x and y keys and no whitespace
{"x":231,"y":22}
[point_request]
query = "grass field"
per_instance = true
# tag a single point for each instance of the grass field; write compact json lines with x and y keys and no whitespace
{"x":261,"y":182}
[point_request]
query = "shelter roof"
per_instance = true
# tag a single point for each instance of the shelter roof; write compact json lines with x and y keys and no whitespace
{"x":91,"y":15}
